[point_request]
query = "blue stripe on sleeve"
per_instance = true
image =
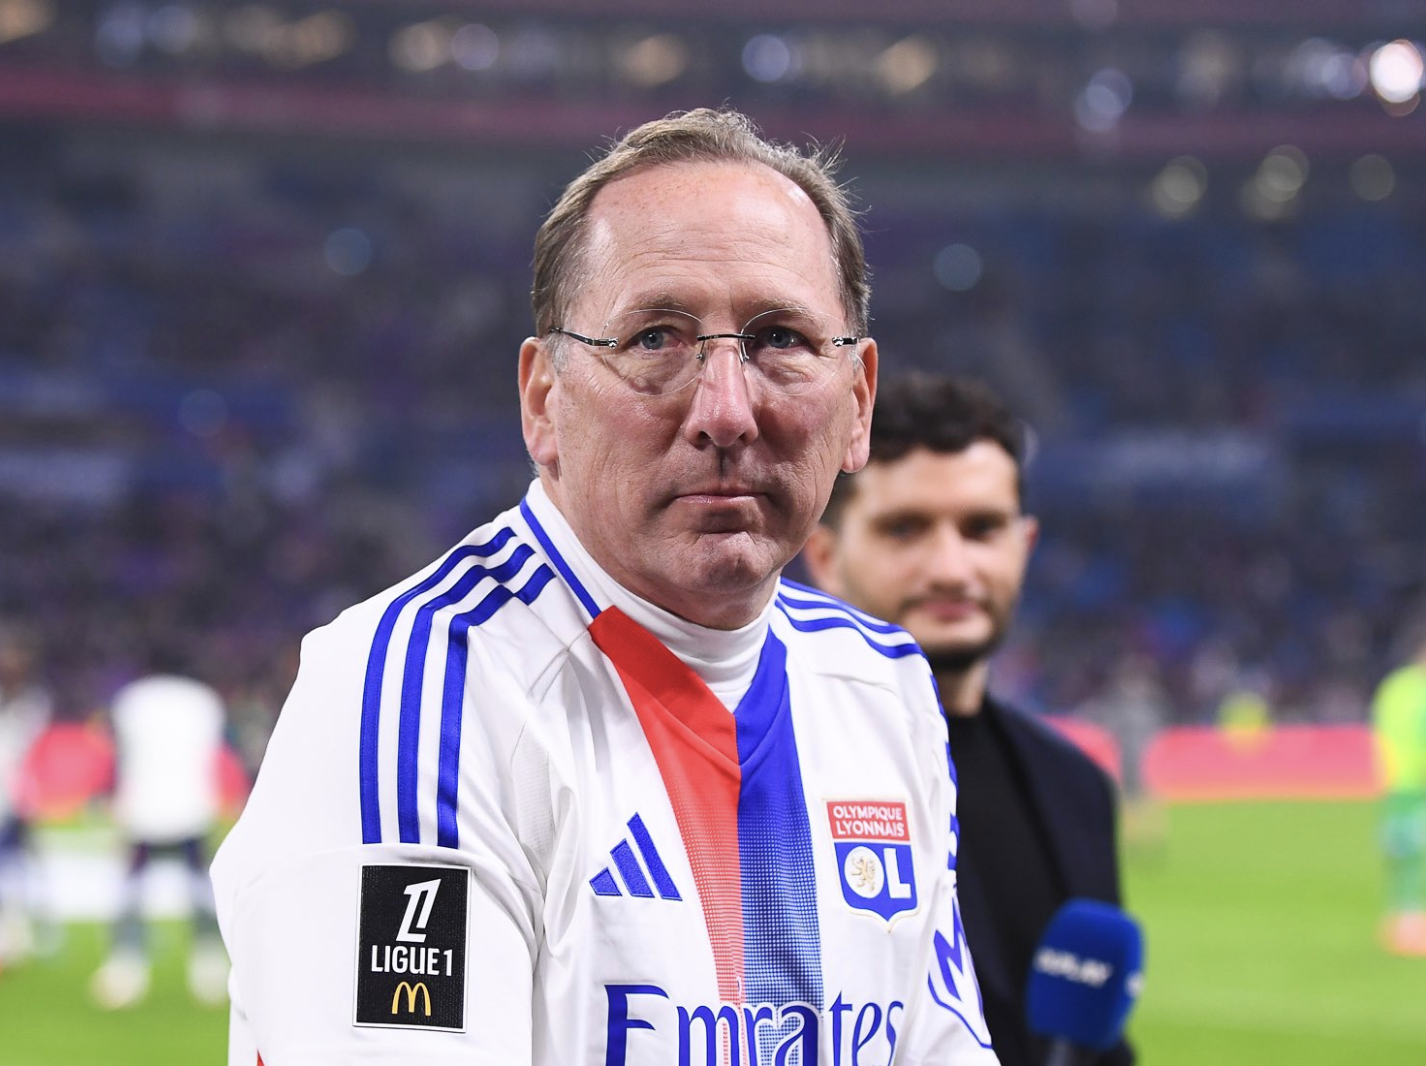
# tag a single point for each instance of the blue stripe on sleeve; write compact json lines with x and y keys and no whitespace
{"x":375,"y":669}
{"x":821,"y":601}
{"x":817,"y":625}
{"x":453,"y":696}
{"x":413,"y":678}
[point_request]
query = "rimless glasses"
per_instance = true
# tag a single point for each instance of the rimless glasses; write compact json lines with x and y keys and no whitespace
{"x":658,"y":351}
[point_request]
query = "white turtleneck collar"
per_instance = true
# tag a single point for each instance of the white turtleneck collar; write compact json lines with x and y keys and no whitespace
{"x":726,"y":659}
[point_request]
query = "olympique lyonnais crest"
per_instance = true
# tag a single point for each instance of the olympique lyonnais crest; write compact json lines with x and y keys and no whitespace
{"x":873,"y":842}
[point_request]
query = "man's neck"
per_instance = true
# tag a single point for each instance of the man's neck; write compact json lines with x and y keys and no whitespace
{"x":963,"y":691}
{"x":726,"y":659}
{"x":724,"y":608}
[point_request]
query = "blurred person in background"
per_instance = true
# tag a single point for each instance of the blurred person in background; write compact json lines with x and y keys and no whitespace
{"x":1133,"y":707}
{"x":1399,"y":724}
{"x":932,"y":536}
{"x":168,"y":734}
{"x":25,"y":709}
{"x":677,"y":816}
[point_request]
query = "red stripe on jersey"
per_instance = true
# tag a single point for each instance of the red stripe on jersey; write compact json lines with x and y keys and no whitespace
{"x":694,"y":740}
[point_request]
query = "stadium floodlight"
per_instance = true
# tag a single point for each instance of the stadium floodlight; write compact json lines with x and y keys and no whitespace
{"x":1396,"y":70}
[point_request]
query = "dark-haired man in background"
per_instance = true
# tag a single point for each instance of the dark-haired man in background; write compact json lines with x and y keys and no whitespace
{"x":931,"y":534}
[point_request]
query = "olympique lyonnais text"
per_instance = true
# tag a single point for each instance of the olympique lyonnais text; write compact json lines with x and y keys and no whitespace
{"x":868,"y":821}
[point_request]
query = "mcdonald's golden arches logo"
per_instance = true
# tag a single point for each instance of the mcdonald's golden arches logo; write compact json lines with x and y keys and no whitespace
{"x":419,"y":988}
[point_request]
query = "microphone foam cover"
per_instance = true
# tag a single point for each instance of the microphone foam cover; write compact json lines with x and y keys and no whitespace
{"x":1086,"y":974}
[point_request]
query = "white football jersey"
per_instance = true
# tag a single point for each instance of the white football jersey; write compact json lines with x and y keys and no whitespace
{"x":168,"y":732}
{"x":24,"y":714}
{"x":500,"y":822}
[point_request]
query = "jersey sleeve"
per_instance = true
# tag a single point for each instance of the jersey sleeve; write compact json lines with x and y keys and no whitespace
{"x":332,"y":964}
{"x":346,"y":951}
{"x":945,"y":1020}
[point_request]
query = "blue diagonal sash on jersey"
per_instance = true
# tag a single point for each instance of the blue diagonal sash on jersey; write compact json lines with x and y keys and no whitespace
{"x":744,"y":824}
{"x":376,"y":667}
{"x":781,"y":940}
{"x":453,"y":695}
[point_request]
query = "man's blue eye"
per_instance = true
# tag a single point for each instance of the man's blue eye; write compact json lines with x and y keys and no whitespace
{"x":780,"y":338}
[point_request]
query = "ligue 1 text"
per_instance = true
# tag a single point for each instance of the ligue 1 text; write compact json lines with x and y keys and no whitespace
{"x":398,"y":958}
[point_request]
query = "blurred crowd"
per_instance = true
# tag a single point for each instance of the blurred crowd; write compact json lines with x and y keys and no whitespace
{"x":243,"y":386}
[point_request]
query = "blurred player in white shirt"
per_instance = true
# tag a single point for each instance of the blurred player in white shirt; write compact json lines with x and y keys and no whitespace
{"x":168,"y":732}
{"x":24,"y":714}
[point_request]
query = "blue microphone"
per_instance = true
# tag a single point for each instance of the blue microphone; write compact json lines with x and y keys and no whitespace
{"x":1084,"y":979}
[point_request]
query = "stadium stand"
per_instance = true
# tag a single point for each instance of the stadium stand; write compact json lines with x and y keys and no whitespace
{"x":247,"y":378}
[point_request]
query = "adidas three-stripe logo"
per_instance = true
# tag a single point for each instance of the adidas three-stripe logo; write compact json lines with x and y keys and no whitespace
{"x":631,"y":872}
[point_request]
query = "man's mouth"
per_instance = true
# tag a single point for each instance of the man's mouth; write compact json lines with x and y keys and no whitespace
{"x":722,"y":488}
{"x":715,"y":494}
{"x":947,"y":609}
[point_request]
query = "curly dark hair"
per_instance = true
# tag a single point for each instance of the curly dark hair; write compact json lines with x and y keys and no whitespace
{"x":940,"y":413}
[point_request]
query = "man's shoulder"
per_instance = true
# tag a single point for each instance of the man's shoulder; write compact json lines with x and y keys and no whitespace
{"x":1043,"y":741}
{"x":494,"y":587}
{"x":429,"y":683}
{"x":833,"y":637}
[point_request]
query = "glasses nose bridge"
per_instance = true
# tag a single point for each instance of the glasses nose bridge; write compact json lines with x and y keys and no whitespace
{"x":740,"y":341}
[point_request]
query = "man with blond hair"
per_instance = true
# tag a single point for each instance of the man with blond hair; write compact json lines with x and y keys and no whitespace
{"x":597,"y":786}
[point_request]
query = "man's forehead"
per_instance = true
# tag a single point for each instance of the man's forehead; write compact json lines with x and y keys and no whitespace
{"x":706,"y":237}
{"x":682,"y":176}
{"x":981,"y":475}
{"x":659,"y":209}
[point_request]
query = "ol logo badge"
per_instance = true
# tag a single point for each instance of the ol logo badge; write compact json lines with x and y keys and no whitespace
{"x":411,"y":947}
{"x":873,"y":843}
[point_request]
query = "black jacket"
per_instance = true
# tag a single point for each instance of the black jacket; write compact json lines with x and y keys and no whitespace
{"x":1075,"y":803}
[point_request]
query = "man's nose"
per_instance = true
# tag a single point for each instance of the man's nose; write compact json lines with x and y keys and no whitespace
{"x":948,"y":555}
{"x":722,"y":409}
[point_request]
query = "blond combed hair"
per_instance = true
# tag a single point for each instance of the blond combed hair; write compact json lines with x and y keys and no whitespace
{"x":701,"y":135}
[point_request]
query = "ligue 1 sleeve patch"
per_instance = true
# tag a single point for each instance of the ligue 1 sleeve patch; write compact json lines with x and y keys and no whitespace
{"x":411,"y":947}
{"x":873,"y":843}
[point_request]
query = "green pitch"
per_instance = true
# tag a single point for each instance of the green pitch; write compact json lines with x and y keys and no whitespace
{"x":47,"y":1018}
{"x":1260,"y":920}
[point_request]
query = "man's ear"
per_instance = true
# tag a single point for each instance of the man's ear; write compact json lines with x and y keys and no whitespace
{"x":538,"y":407}
{"x":820,"y":556}
{"x":864,"y":391}
{"x":1032,"y":533}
